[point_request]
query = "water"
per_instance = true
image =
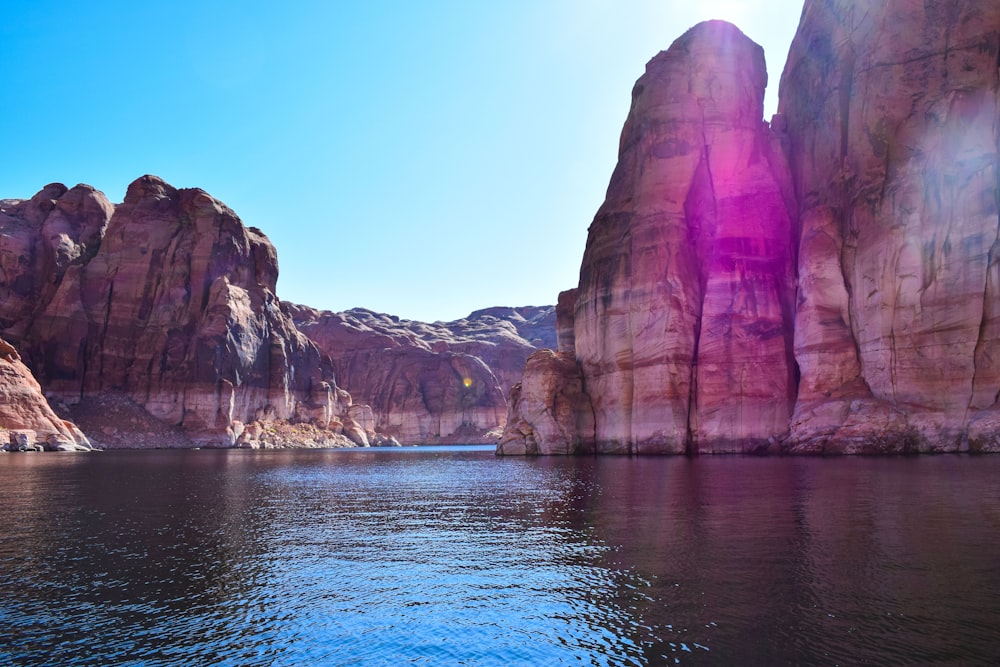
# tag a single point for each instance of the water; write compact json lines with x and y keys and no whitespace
{"x":450,"y":556}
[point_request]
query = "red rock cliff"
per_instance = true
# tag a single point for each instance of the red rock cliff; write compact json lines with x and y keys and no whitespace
{"x":826,"y":285}
{"x":681,"y":321}
{"x":167,"y":305}
{"x":431,"y":382}
{"x":893,"y":115}
{"x":27,"y":421}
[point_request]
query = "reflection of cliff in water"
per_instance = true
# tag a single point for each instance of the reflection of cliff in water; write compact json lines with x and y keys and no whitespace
{"x":772,"y":560}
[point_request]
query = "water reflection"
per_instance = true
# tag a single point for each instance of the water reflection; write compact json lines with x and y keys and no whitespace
{"x":783,"y":560}
{"x":456,"y":557}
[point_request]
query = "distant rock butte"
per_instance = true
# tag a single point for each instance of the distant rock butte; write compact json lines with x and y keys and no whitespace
{"x":431,"y":382}
{"x":825,"y":284}
{"x":156,"y":323}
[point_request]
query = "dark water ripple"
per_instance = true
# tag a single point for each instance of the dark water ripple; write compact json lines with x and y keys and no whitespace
{"x":457,"y":558}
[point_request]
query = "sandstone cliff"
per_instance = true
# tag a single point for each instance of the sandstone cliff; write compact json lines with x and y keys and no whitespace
{"x":27,"y":422}
{"x":893,"y":122}
{"x":162,"y":308}
{"x":681,"y":319}
{"x":825,"y":284}
{"x":431,"y":382}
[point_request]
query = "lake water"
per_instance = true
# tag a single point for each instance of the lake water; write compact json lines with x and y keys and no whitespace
{"x":450,"y":556}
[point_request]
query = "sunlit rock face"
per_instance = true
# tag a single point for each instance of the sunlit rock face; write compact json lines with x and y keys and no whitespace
{"x":168,"y":304}
{"x":27,"y":421}
{"x":683,"y":313}
{"x":683,"y":325}
{"x":431,"y":382}
{"x":893,"y":115}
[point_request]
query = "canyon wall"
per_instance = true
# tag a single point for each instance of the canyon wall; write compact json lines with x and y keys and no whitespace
{"x":162,"y":308}
{"x":680,"y":322}
{"x":892,"y":111}
{"x":431,"y":382}
{"x":824,"y":284}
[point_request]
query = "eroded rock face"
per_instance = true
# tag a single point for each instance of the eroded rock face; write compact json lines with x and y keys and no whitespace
{"x":426,"y":383}
{"x":27,"y":421}
{"x":172,"y":309}
{"x":893,"y":112}
{"x":40,"y":238}
{"x":683,"y":311}
{"x":550,"y":413}
{"x":889,"y":118}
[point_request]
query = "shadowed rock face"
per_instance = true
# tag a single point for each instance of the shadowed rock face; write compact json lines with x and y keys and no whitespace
{"x":829,"y":284}
{"x":682,"y":316}
{"x":439,"y":382}
{"x":893,"y":116}
{"x":551,"y":413}
{"x":172,"y":308}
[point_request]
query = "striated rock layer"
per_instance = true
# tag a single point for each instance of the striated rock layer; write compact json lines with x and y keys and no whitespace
{"x":893,"y":121}
{"x":681,"y":319}
{"x":427,"y":383}
{"x":164,"y":304}
{"x":827,"y":284}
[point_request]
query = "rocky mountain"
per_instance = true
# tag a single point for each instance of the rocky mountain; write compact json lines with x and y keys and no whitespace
{"x":825,"y":283}
{"x":155,"y":322}
{"x":431,"y":382}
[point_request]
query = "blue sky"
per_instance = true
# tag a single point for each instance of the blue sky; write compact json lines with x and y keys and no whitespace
{"x":420,"y":158}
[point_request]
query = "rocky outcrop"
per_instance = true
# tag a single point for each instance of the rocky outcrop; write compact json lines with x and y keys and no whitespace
{"x":825,"y":284}
{"x":681,"y":318}
{"x":27,"y":421}
{"x":551,"y":413}
{"x":164,"y":304}
{"x":41,"y":238}
{"x":427,"y":383}
{"x":893,"y":116}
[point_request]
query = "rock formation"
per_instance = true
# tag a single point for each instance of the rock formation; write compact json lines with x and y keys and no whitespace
{"x":163,"y":305}
{"x":27,"y":421}
{"x":427,"y":383}
{"x":551,"y":413}
{"x":681,"y":319}
{"x":893,"y":111}
{"x":828,"y":284}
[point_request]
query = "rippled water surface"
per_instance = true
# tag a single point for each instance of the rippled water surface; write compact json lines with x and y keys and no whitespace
{"x":450,"y":556}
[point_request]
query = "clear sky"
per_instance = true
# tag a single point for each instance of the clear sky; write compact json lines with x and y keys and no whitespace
{"x":423,"y":158}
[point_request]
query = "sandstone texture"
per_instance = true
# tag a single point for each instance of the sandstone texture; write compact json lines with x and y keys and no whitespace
{"x":824,"y":284}
{"x":682,"y":314}
{"x":27,"y":421}
{"x":441,"y":382}
{"x":552,"y":414}
{"x":893,"y":122}
{"x":162,"y":309}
